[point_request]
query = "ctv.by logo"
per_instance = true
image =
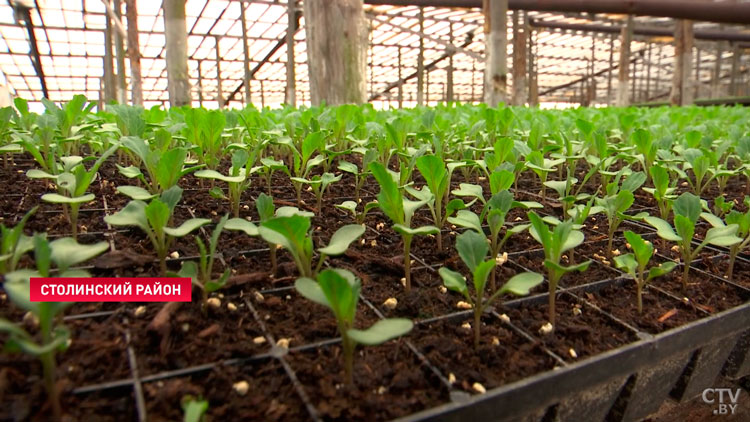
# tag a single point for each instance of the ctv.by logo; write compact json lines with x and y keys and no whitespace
{"x":727,"y":399}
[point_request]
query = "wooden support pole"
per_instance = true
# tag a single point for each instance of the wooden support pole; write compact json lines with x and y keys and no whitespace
{"x":697,"y":77}
{"x":716,"y":77}
{"x":420,"y":61}
{"x":734,"y":76}
{"x":473,"y":78}
{"x":591,"y":89}
{"x":134,"y":53}
{"x":245,"y":55}
{"x":336,"y":51}
{"x":175,"y":30}
{"x":400,"y":82}
{"x":648,"y":72}
{"x":682,"y":91}
{"x":626,"y":37}
{"x":496,"y":48}
{"x":611,"y":68}
{"x":122,"y":90}
{"x":533,"y":81}
{"x":110,"y":92}
{"x":219,"y":81}
{"x":200,"y":83}
{"x":449,"y":70}
{"x":290,"y":94}
{"x":427,"y":88}
{"x":633,"y":90}
{"x":520,"y":32}
{"x":262,"y":94}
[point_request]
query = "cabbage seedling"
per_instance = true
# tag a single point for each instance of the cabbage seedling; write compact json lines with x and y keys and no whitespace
{"x":238,"y":179}
{"x":556,"y":242}
{"x":318,"y":184}
{"x":293,"y":234}
{"x":13,"y":243}
{"x":153,"y":218}
{"x":437,"y":177}
{"x":339,"y":290}
{"x":635,"y":264}
{"x":400,"y":211}
{"x":74,"y":181}
{"x":472,"y":248}
{"x":542,"y":167}
{"x":617,"y":201}
{"x":53,"y":337}
{"x":194,"y":409}
{"x":201,"y":274}
{"x":663,"y":190}
{"x":742,"y":220}
{"x":687,"y":211}
{"x":351,"y":206}
{"x":164,"y":167}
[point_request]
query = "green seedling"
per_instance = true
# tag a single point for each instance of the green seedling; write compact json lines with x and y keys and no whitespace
{"x":339,"y":290}
{"x":617,"y":201}
{"x":52,"y":336}
{"x":472,"y":248}
{"x":687,"y":211}
{"x":400,"y":211}
{"x":204,"y":130}
{"x":351,"y":206}
{"x":556,"y":242}
{"x":437,"y":177}
{"x":269,"y":167}
{"x":742,"y":220}
{"x":201,"y":274}
{"x":318,"y":184}
{"x":663,"y":190}
{"x":238,"y":180}
{"x":293,"y":234}
{"x":495,"y":212}
{"x":302,"y":158}
{"x":14,"y":243}
{"x":359,"y":176}
{"x":73,"y":183}
{"x":542,"y":167}
{"x":164,"y":167}
{"x":635,"y":264}
{"x":194,"y":409}
{"x":153,"y":218}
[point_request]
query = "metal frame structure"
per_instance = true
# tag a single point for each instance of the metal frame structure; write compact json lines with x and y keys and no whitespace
{"x":63,"y":51}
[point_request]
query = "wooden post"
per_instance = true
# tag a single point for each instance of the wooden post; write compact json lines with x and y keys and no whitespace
{"x":336,"y":51}
{"x":533,"y":82}
{"x":401,"y":82}
{"x":420,"y":61}
{"x":122,"y":96}
{"x":658,"y":72}
{"x":626,"y":37}
{"x":219,"y":81}
{"x":427,"y":88}
{"x":262,"y":95}
{"x":648,"y":73}
{"x":290,"y":95}
{"x":682,"y":91}
{"x":611,"y":68}
{"x":110,"y":92}
{"x":734,"y":76}
{"x":200,"y":83}
{"x":134,"y":53}
{"x":716,"y":80}
{"x":175,"y":30}
{"x":520,"y":32}
{"x":591,"y":94}
{"x":633,"y":91}
{"x":449,"y":71}
{"x":473,"y":74}
{"x":246,"y":54}
{"x":697,"y":78}
{"x":496,"y":48}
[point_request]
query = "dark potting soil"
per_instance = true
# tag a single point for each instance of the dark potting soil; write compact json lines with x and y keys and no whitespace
{"x":660,"y":312}
{"x":270,"y":397}
{"x":578,"y":327}
{"x":719,"y":265}
{"x":389,"y":382}
{"x":449,"y":345}
{"x":193,"y":337}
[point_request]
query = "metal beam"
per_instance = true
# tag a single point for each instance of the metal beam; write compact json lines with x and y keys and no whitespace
{"x":705,"y":34}
{"x":34,"y":47}
{"x":719,"y":11}
{"x":279,"y":44}
{"x":428,"y":68}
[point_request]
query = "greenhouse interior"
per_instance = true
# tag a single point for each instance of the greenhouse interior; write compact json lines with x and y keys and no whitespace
{"x":375,"y":210}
